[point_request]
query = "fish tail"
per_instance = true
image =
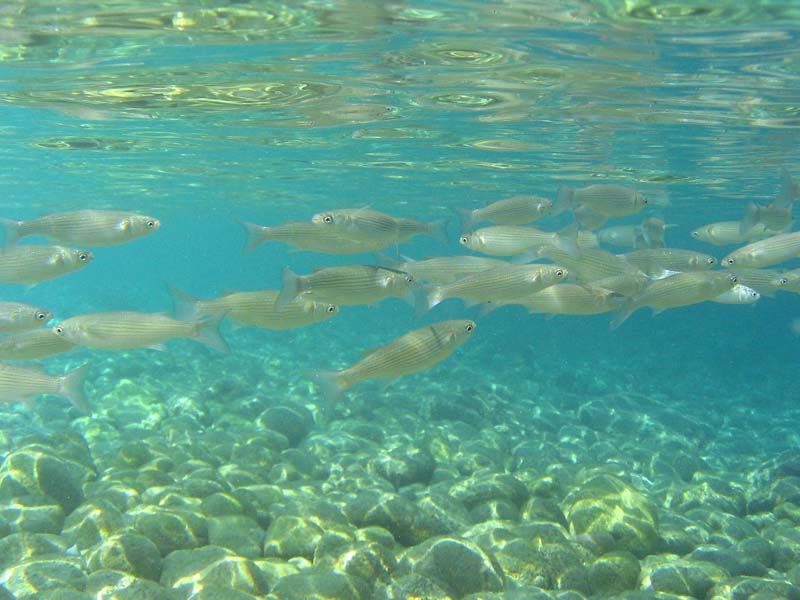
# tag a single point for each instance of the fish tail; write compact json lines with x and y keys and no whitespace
{"x":207,"y":333}
{"x":12,"y":230}
{"x":433,"y":297}
{"x":749,"y":220}
{"x":438,"y":230}
{"x":467,"y":218}
{"x":290,"y":287}
{"x":256,"y":234}
{"x":329,"y":384}
{"x":564,"y":201}
{"x":622,"y":314}
{"x":790,"y":189}
{"x":387,"y":261}
{"x":71,"y":387}
{"x":567,"y":240}
{"x":185,"y":307}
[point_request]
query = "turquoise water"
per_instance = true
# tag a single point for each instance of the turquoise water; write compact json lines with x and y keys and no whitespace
{"x":203,"y":114}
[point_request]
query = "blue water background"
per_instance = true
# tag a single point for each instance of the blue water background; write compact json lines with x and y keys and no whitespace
{"x":200,"y":170}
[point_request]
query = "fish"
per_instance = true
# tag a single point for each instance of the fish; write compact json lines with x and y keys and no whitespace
{"x":123,"y":330}
{"x":367,"y":225}
{"x":591,"y":264}
{"x":32,"y":264}
{"x":33,"y":344}
{"x":441,"y":270}
{"x":726,"y":233}
{"x":571,"y":299}
{"x":648,"y":234}
{"x":347,"y":285}
{"x":654,"y":261}
{"x":738,"y":294}
{"x":681,"y":289}
{"x":776,"y":216}
{"x":496,"y":285}
{"x":517,"y":210}
{"x":16,"y":317}
{"x":87,"y":227}
{"x":765,"y":253}
{"x":25,"y":384}
{"x":610,"y":200}
{"x":257,"y":308}
{"x":790,"y":280}
{"x":764,"y":281}
{"x":313,"y":237}
{"x":511,"y":240}
{"x":624,"y":284}
{"x":414,"y":351}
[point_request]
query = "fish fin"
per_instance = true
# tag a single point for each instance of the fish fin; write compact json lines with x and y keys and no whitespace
{"x":526,"y":257}
{"x":329,"y":385}
{"x":656,"y":311}
{"x":207,"y":332}
{"x":414,"y":297}
{"x":434,"y":296}
{"x":387,"y":261}
{"x":71,"y":387}
{"x":622,"y":314}
{"x":256,"y":234}
{"x":160,"y":346}
{"x":564,"y":201}
{"x":750,"y":218}
{"x":466,"y":218}
{"x":290,"y":287}
{"x":438,"y":230}
{"x":11,"y":231}
{"x":567,"y":240}
{"x":184,"y":305}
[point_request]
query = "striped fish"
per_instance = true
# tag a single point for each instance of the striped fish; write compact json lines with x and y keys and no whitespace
{"x":517,"y":210}
{"x":346,"y":285}
{"x":654,"y":261}
{"x":33,"y":344}
{"x":122,"y":330}
{"x":765,"y":253}
{"x":514,"y":240}
{"x":591,"y":264}
{"x":24,"y":384}
{"x":31,"y":264}
{"x":85,"y":227}
{"x":16,"y":317}
{"x":258,"y":308}
{"x":725,"y":233}
{"x":570,"y":299}
{"x":442,"y":270}
{"x":303,"y":235}
{"x":415,"y":351}
{"x":610,"y":200}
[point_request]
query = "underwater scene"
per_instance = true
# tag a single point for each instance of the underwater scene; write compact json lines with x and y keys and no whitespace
{"x":363,"y":300}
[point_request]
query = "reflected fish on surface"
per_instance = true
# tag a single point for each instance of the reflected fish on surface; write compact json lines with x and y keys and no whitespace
{"x":24,"y":384}
{"x":30,"y":264}
{"x":85,"y":227}
{"x":33,"y":344}
{"x":346,"y":285}
{"x":766,"y":252}
{"x":122,"y":330}
{"x":258,"y":309}
{"x":415,"y":351}
{"x":517,"y":210}
{"x":681,"y":289}
{"x":16,"y":317}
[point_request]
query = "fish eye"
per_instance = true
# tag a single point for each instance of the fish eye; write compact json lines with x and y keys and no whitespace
{"x":469,"y":327}
{"x":150,"y":224}
{"x":327,"y":219}
{"x":41,"y":316}
{"x":83,"y":257}
{"x":463,"y":239}
{"x":331,"y":308}
{"x":559,"y":272}
{"x":734,"y":279}
{"x":783,"y":281}
{"x":59,"y":330}
{"x":711,"y":260}
{"x":729,"y":261}
{"x":409,"y":278}
{"x":696,"y":235}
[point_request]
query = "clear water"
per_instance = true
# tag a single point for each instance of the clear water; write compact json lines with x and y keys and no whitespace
{"x":205,"y":113}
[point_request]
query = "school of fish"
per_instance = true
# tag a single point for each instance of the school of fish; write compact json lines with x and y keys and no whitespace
{"x":581,"y":276}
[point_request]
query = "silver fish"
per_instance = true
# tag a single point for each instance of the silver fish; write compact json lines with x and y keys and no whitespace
{"x":120,"y":330}
{"x":512,"y":240}
{"x":725,"y":233}
{"x":765,"y":253}
{"x":738,"y":294}
{"x":610,"y":200}
{"x":30,"y":264}
{"x":16,"y":317}
{"x":442,"y":270}
{"x":33,"y":344}
{"x":517,"y":210}
{"x":25,"y":384}
{"x":347,"y":285}
{"x":571,"y":299}
{"x":314,"y":237}
{"x":84,"y":227}
{"x":654,"y":261}
{"x":415,"y":351}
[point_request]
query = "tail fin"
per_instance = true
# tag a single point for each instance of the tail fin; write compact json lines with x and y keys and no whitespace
{"x":329,"y":385}
{"x":207,"y":333}
{"x":438,"y":230}
{"x":566,"y":240}
{"x":750,"y":218}
{"x":388,"y":261}
{"x":467,"y":218}
{"x":184,"y":306}
{"x":622,"y":314}
{"x":435,"y":296}
{"x":71,"y":387}
{"x":11,"y":231}
{"x":564,"y":201}
{"x":290,"y":287}
{"x":256,"y":234}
